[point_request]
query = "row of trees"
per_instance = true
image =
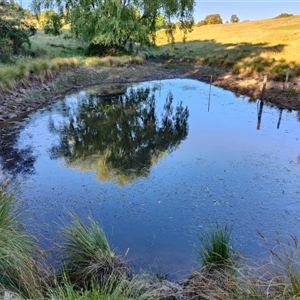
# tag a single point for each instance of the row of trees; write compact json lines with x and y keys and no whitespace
{"x":216,"y":19}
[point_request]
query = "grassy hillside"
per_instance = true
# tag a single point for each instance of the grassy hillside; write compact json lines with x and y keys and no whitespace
{"x":248,"y":48}
{"x":269,"y":46}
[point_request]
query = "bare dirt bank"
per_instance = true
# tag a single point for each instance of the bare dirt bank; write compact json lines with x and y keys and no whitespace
{"x":39,"y":94}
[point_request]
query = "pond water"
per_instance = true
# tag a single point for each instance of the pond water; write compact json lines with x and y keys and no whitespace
{"x":156,"y":164}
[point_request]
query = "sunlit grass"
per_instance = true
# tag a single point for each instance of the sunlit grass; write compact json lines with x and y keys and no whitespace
{"x":248,"y":47}
{"x":111,"y":61}
{"x":44,"y":45}
{"x":23,"y":72}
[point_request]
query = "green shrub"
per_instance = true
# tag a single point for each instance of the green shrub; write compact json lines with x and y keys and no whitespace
{"x":102,"y":50}
{"x":15,"y":31}
{"x":53,"y":24}
{"x":284,"y":15}
{"x":6,"y":50}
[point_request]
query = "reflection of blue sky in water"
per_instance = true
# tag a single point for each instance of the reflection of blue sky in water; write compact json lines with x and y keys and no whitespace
{"x":224,"y":171}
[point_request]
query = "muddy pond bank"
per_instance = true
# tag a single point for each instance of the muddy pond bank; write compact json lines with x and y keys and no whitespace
{"x":26,"y":100}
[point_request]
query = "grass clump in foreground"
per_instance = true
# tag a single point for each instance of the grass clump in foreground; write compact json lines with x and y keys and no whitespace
{"x":19,"y":255}
{"x":90,"y":269}
{"x":88,"y":258}
{"x":217,"y":276}
{"x":217,"y":250}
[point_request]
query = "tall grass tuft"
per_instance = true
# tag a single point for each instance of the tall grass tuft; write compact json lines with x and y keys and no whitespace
{"x":19,"y":255}
{"x":88,"y":258}
{"x":217,"y":276}
{"x":216,"y":249}
{"x":283,"y":270}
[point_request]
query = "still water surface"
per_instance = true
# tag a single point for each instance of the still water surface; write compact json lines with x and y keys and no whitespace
{"x":155,"y":168}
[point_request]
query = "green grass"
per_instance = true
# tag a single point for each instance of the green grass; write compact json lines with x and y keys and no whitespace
{"x":140,"y":287}
{"x":53,"y":55}
{"x":216,"y":250}
{"x":88,"y":258}
{"x":44,"y":45}
{"x":19,"y":254}
{"x":92,"y":270}
{"x":22,"y":73}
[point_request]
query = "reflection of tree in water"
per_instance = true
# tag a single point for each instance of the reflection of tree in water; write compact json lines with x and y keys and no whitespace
{"x":120,"y":136}
{"x":14,"y":160}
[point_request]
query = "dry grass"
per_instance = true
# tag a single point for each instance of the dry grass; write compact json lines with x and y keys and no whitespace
{"x":21,"y":74}
{"x":269,"y":46}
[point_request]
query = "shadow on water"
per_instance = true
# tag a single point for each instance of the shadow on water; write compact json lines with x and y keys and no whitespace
{"x":13,"y":159}
{"x":120,"y":136}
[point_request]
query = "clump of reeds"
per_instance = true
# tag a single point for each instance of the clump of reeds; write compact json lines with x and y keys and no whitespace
{"x":216,"y":277}
{"x":19,"y":254}
{"x":88,"y":258}
{"x":216,"y":249}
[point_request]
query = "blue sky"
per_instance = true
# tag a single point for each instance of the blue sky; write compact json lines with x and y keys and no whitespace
{"x":245,"y":10}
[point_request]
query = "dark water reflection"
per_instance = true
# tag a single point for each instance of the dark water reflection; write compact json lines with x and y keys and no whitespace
{"x":119,"y":136}
{"x":155,"y":168}
{"x":13,"y":160}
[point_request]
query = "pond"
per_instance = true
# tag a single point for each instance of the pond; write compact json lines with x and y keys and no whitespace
{"x":157,"y":164}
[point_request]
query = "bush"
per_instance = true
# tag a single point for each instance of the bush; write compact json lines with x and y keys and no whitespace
{"x":284,"y":15}
{"x":15,"y":32}
{"x":6,"y":50}
{"x":102,"y":50}
{"x":52,"y":24}
{"x":211,"y":19}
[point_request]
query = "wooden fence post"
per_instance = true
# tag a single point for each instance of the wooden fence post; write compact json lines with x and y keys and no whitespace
{"x":210,"y":82}
{"x":264,"y":88}
{"x":261,"y":102}
{"x":286,"y":78}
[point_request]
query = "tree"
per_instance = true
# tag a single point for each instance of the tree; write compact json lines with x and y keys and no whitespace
{"x":119,"y":23}
{"x":14,"y":30}
{"x":211,"y":19}
{"x":52,"y":23}
{"x":234,"y":19}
